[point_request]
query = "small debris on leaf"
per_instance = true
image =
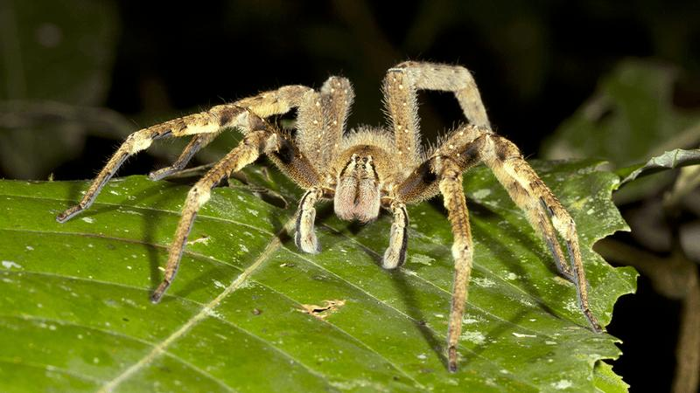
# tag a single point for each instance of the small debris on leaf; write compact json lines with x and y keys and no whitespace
{"x":321,"y":312}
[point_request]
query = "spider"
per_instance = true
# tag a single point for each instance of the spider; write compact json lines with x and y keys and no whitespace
{"x":366,"y":169}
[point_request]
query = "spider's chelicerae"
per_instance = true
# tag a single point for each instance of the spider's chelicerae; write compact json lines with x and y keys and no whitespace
{"x":365,"y":170}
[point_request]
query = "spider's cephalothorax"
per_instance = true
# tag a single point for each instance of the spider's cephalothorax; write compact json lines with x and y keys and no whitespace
{"x":365,"y":170}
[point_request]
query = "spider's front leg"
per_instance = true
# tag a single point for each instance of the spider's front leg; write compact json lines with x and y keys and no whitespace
{"x":320,"y":123}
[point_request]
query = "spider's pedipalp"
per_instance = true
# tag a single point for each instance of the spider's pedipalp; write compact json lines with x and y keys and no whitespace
{"x":395,"y":254}
{"x":305,"y":238}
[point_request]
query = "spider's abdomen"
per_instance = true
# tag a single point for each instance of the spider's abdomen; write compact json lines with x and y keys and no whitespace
{"x":357,"y":192}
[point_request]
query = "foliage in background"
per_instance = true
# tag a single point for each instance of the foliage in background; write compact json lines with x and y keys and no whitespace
{"x":632,"y":120}
{"x":50,"y":66}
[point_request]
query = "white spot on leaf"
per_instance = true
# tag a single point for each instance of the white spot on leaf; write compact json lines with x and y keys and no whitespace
{"x":475,"y":337}
{"x":481,"y":194}
{"x":484,"y":282}
{"x":10,"y":265}
{"x":562,"y":384}
{"x":520,"y":335}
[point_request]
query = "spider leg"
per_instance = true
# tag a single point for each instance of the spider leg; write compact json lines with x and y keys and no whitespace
{"x":545,"y":213}
{"x":136,"y":142}
{"x":450,"y":185}
{"x":196,"y":144}
{"x":321,"y":120}
{"x":400,"y":91}
{"x":395,"y":254}
{"x":247,"y":151}
{"x":534,"y":197}
{"x":464,"y":148}
{"x":320,"y":124}
{"x":209,"y":122}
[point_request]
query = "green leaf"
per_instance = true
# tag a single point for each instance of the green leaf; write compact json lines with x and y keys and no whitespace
{"x":630,"y":118}
{"x":75,"y":315}
{"x":607,"y":381}
{"x":668,"y":160}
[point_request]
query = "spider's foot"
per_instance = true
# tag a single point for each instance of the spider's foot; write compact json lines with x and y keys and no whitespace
{"x":69,"y":213}
{"x":593,"y":321}
{"x":452,"y":359}
{"x":159,"y":174}
{"x":307,"y":243}
{"x":160,"y":291}
{"x":162,"y":173}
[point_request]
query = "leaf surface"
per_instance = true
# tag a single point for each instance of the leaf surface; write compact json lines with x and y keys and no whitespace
{"x":247,"y":310}
{"x":676,"y":158}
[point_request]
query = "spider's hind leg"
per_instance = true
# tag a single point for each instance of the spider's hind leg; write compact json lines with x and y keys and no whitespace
{"x":196,"y":144}
{"x":530,"y":193}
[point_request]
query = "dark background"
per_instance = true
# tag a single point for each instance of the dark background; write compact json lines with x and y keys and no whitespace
{"x":535,"y":63}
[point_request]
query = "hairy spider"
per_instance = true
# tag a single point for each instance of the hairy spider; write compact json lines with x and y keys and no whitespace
{"x":365,"y":170}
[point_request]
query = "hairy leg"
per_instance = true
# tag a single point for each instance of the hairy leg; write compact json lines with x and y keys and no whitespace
{"x":198,"y":142}
{"x":451,"y":189}
{"x":245,"y":115}
{"x":248,"y":150}
{"x":467,"y":146}
{"x":321,"y":120}
{"x":544,"y":211}
{"x":401,"y":85}
{"x":531,"y":194}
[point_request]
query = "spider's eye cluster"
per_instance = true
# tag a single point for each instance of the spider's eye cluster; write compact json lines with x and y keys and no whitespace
{"x":357,"y":192}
